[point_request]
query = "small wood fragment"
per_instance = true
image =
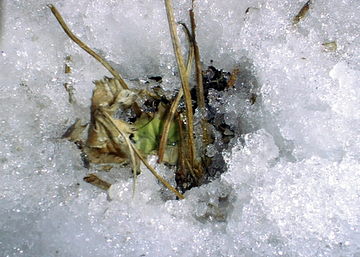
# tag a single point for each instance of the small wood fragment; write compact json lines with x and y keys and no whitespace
{"x":302,"y":13}
{"x":106,"y":168}
{"x":67,"y":69}
{"x":67,"y":85}
{"x":252,"y":98}
{"x":96,"y":181}
{"x":247,"y":11}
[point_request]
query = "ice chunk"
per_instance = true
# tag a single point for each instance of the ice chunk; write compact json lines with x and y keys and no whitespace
{"x":247,"y":163}
{"x":344,"y":98}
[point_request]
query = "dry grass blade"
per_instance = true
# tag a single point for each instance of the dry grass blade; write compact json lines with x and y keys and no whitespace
{"x":167,"y":124}
{"x":175,"y":103}
{"x":191,"y":49}
{"x":85,"y":47}
{"x":181,"y":162}
{"x":199,"y":82}
{"x":91,"y":52}
{"x":183,"y":77}
{"x":161,"y":179}
{"x":139,"y":155}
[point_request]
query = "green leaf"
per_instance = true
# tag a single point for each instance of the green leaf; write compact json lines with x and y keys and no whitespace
{"x":148,"y":133}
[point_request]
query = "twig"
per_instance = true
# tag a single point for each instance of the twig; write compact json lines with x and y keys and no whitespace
{"x":183,"y":77}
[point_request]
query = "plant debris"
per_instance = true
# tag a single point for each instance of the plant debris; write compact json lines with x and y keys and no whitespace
{"x":67,"y":85}
{"x":302,"y":13}
{"x":158,"y":125}
{"x":96,"y":181}
{"x":330,"y":46}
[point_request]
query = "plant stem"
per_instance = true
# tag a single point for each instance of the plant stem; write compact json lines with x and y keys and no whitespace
{"x":200,"y":86}
{"x":153,"y":171}
{"x":92,"y":53}
{"x":86,"y":48}
{"x":175,"y":103}
{"x":184,"y":79}
{"x":166,"y":128}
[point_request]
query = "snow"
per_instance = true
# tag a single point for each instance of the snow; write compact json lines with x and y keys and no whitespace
{"x":293,"y":170}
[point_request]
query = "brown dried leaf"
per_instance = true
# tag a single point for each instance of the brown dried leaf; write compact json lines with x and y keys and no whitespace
{"x":104,"y":143}
{"x":109,"y":93}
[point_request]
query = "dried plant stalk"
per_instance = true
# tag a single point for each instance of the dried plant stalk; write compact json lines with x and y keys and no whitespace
{"x":184,"y":80}
{"x":91,"y":52}
{"x":167,"y":124}
{"x":200,"y":85}
{"x":181,"y":161}
{"x":175,"y":103}
{"x":86,"y":48}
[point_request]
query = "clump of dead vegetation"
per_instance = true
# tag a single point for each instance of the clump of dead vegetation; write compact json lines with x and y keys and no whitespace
{"x":167,"y":131}
{"x":157,"y":125}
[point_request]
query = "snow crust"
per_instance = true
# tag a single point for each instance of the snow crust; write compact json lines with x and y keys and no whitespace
{"x":292,"y":183}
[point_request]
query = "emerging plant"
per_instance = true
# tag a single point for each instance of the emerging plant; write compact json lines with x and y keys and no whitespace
{"x":168,"y":131}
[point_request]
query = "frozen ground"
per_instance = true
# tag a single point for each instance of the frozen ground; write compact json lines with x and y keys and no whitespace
{"x":293,"y":180}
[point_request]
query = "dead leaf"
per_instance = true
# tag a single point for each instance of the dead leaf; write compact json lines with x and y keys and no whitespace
{"x":104,"y":143}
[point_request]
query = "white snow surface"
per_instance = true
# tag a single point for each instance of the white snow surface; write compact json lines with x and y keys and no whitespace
{"x":292,"y":185}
